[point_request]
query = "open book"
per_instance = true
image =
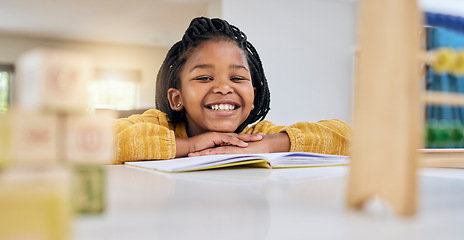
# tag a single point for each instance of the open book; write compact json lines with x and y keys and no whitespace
{"x":268,"y":160}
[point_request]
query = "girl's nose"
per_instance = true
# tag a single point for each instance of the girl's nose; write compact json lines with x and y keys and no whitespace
{"x":223,"y":86}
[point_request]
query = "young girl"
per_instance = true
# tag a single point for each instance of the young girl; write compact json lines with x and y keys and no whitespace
{"x":209,"y":89}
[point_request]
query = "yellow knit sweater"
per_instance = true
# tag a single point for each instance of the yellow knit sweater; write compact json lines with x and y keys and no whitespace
{"x":150,"y":136}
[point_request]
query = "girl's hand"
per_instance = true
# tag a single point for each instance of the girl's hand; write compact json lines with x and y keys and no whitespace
{"x":208,"y":140}
{"x":279,"y":142}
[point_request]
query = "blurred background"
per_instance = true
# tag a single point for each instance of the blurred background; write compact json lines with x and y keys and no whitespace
{"x":307,"y":47}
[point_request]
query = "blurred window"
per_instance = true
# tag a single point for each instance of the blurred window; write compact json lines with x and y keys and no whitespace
{"x":4,"y":90}
{"x":6,"y":74}
{"x":115,"y":89}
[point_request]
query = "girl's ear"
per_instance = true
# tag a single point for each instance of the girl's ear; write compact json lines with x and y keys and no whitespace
{"x":175,"y":99}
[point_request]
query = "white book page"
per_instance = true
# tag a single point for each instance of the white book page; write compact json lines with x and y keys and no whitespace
{"x":302,"y":159}
{"x":188,"y":163}
{"x":283,"y":159}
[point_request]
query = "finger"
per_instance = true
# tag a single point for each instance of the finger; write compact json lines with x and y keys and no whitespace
{"x":257,"y":137}
{"x":215,"y":151}
{"x":201,"y":153}
{"x":250,"y":137}
{"x":227,"y":139}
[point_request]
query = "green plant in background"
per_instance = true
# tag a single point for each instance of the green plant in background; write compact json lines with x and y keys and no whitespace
{"x":4,"y":76}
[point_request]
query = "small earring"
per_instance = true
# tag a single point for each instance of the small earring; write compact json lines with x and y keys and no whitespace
{"x":252,"y":107}
{"x":178,"y":105}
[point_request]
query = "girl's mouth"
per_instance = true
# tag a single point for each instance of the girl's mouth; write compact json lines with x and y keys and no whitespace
{"x":222,"y":107}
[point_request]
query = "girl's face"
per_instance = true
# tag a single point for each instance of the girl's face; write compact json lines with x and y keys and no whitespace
{"x":216,"y":89}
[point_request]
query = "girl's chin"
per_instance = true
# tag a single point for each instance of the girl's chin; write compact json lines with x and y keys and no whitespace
{"x":224,"y":129}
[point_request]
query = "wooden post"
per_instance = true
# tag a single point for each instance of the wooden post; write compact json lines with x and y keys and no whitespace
{"x":387,"y":117}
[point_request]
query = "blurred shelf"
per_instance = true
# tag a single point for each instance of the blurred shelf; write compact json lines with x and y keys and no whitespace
{"x":437,"y":98}
{"x":442,"y":158}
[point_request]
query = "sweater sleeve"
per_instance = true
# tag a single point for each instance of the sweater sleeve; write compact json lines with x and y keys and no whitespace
{"x":325,"y":136}
{"x":144,"y":137}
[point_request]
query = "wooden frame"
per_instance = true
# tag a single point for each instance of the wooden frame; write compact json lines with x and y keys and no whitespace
{"x":387,"y":116}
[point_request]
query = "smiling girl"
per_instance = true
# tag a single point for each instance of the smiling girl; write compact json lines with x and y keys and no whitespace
{"x":212,"y":97}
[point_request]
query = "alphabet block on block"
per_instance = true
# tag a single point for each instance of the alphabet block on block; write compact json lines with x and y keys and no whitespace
{"x":35,"y":204}
{"x":34,"y":138}
{"x":90,"y":138}
{"x":54,"y":79}
{"x":88,"y":188}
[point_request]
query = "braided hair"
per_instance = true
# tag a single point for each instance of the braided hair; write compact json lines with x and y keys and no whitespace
{"x":202,"y":29}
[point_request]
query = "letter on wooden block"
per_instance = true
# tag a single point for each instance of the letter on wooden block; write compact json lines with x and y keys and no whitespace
{"x":90,"y":138}
{"x":54,"y":79}
{"x":88,"y":188}
{"x":34,"y":138}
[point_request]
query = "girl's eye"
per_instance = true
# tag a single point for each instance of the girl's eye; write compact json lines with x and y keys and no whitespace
{"x":237,"y":79}
{"x":204,"y":78}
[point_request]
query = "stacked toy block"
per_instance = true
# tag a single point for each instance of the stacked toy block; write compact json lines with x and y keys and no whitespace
{"x":4,"y":141}
{"x":52,"y":147}
{"x":35,"y":204}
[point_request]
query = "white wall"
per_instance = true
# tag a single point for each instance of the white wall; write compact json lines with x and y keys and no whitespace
{"x":110,"y":56}
{"x":306,"y":47}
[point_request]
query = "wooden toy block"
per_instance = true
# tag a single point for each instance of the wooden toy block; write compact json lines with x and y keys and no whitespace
{"x":5,"y":140}
{"x":54,"y":79}
{"x":90,"y":138}
{"x":387,"y":120}
{"x":34,"y":138}
{"x":88,"y":188}
{"x":35,"y":204}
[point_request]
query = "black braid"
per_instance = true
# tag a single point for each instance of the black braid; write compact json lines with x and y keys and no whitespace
{"x":200,"y":30}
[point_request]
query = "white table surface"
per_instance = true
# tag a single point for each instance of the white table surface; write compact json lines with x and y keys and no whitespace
{"x":304,"y":203}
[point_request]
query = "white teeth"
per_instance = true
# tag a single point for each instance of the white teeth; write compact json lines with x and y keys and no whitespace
{"x":223,"y":107}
